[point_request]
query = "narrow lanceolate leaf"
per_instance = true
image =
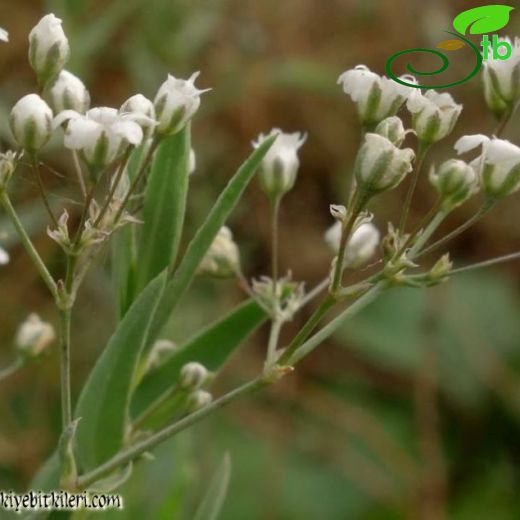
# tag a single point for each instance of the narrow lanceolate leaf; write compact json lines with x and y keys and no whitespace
{"x":104,"y":402}
{"x":211,"y":505}
{"x":202,"y":240}
{"x":211,"y":347}
{"x":164,"y":206}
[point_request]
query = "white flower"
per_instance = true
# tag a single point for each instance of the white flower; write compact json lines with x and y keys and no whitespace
{"x":376,"y":97}
{"x":4,"y":257}
{"x":433,"y":115}
{"x":101,"y":135}
{"x":31,"y":122}
{"x":380,"y":165}
{"x":69,"y":93}
{"x":192,"y":376}
{"x":361,"y":246}
{"x":501,"y":78}
{"x":222,"y":258}
{"x":280,"y":165}
{"x":176,"y":103}
{"x":34,"y":336}
{"x":455,"y":181}
{"x":49,"y":49}
{"x":498,"y":166}
{"x":4,"y":35}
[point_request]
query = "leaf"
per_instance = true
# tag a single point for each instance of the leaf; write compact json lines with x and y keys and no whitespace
{"x":211,"y":505}
{"x":451,"y":45}
{"x":211,"y":347}
{"x":104,"y":401}
{"x":164,"y":206}
{"x":484,"y":19}
{"x":202,"y":240}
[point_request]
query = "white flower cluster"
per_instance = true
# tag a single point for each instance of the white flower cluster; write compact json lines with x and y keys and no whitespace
{"x":102,"y":134}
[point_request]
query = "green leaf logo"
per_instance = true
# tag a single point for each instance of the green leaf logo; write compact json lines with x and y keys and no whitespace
{"x":484,"y":19}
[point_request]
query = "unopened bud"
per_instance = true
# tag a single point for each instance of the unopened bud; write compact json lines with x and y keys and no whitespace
{"x":392,"y":128}
{"x":222,"y":259}
{"x":280,"y":165}
{"x":49,"y":49}
{"x":455,"y":181}
{"x":198,"y":399}
{"x":68,"y":93}
{"x":338,"y":212}
{"x":34,"y":336}
{"x":193,"y":375}
{"x":31,"y":122}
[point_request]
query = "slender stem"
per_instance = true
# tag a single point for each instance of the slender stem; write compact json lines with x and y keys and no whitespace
{"x":326,"y":304}
{"x":26,"y":241}
{"x":324,"y":333}
{"x":463,"y":227}
{"x":151,"y":442}
{"x":421,"y":154}
{"x":79,"y":173}
{"x":275,"y":211}
{"x":505,"y":120}
{"x":315,"y":291}
{"x":487,"y":263}
{"x":66,"y":406}
{"x":276,"y":326}
{"x":11,"y":369}
{"x":427,"y":233}
{"x":36,"y":167}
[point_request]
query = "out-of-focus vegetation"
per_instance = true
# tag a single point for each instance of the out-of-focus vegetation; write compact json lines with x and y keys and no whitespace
{"x":413,"y":409}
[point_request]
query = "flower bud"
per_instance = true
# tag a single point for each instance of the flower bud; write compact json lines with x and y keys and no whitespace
{"x":433,"y":115}
{"x":68,"y":93}
{"x":500,"y":77}
{"x":280,"y":165}
{"x":7,"y":165}
{"x":60,"y":235}
{"x":31,"y":122}
{"x":176,"y":103}
{"x":380,"y":165}
{"x":339,"y":212}
{"x":392,"y":128}
{"x":49,"y":49}
{"x":4,"y":257}
{"x":455,"y":181}
{"x":498,"y":166}
{"x":4,"y":35}
{"x":192,"y":376}
{"x":361,"y":246}
{"x":160,"y":351}
{"x":441,"y":269}
{"x":198,"y":399}
{"x":222,"y":259}
{"x":34,"y":336}
{"x":376,"y":97}
{"x":141,"y":105}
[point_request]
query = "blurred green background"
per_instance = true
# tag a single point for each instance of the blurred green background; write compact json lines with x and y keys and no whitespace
{"x":413,"y":409}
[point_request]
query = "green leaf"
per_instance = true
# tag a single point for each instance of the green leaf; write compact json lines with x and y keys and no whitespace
{"x":202,"y":240}
{"x":211,"y":347}
{"x":211,"y":505}
{"x":104,"y":401}
{"x":164,"y":206}
{"x":484,"y":19}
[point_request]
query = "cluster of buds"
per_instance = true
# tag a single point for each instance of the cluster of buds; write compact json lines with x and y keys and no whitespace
{"x":192,"y":378}
{"x":34,"y":336}
{"x":281,"y":298}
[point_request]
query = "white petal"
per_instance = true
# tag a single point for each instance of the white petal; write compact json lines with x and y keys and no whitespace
{"x":63,"y":116}
{"x":4,"y":35}
{"x":470,"y":142}
{"x":131,"y":131}
{"x":82,"y":133}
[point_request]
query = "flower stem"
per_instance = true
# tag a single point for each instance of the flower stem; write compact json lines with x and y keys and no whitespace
{"x":151,"y":442}
{"x":27,"y":243}
{"x":11,"y":369}
{"x":421,"y":154}
{"x":36,"y":167}
{"x":487,"y":263}
{"x":276,"y":326}
{"x":427,"y":233}
{"x":66,"y":406}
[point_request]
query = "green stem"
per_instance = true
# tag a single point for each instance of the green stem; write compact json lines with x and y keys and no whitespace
{"x":275,"y":210}
{"x":505,"y":120}
{"x":28,"y":245}
{"x":36,"y":167}
{"x":485,"y":208}
{"x":151,"y":442}
{"x":324,"y":333}
{"x":421,"y":154}
{"x":427,"y":233}
{"x":66,"y":402}
{"x":487,"y":263}
{"x":276,"y":326}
